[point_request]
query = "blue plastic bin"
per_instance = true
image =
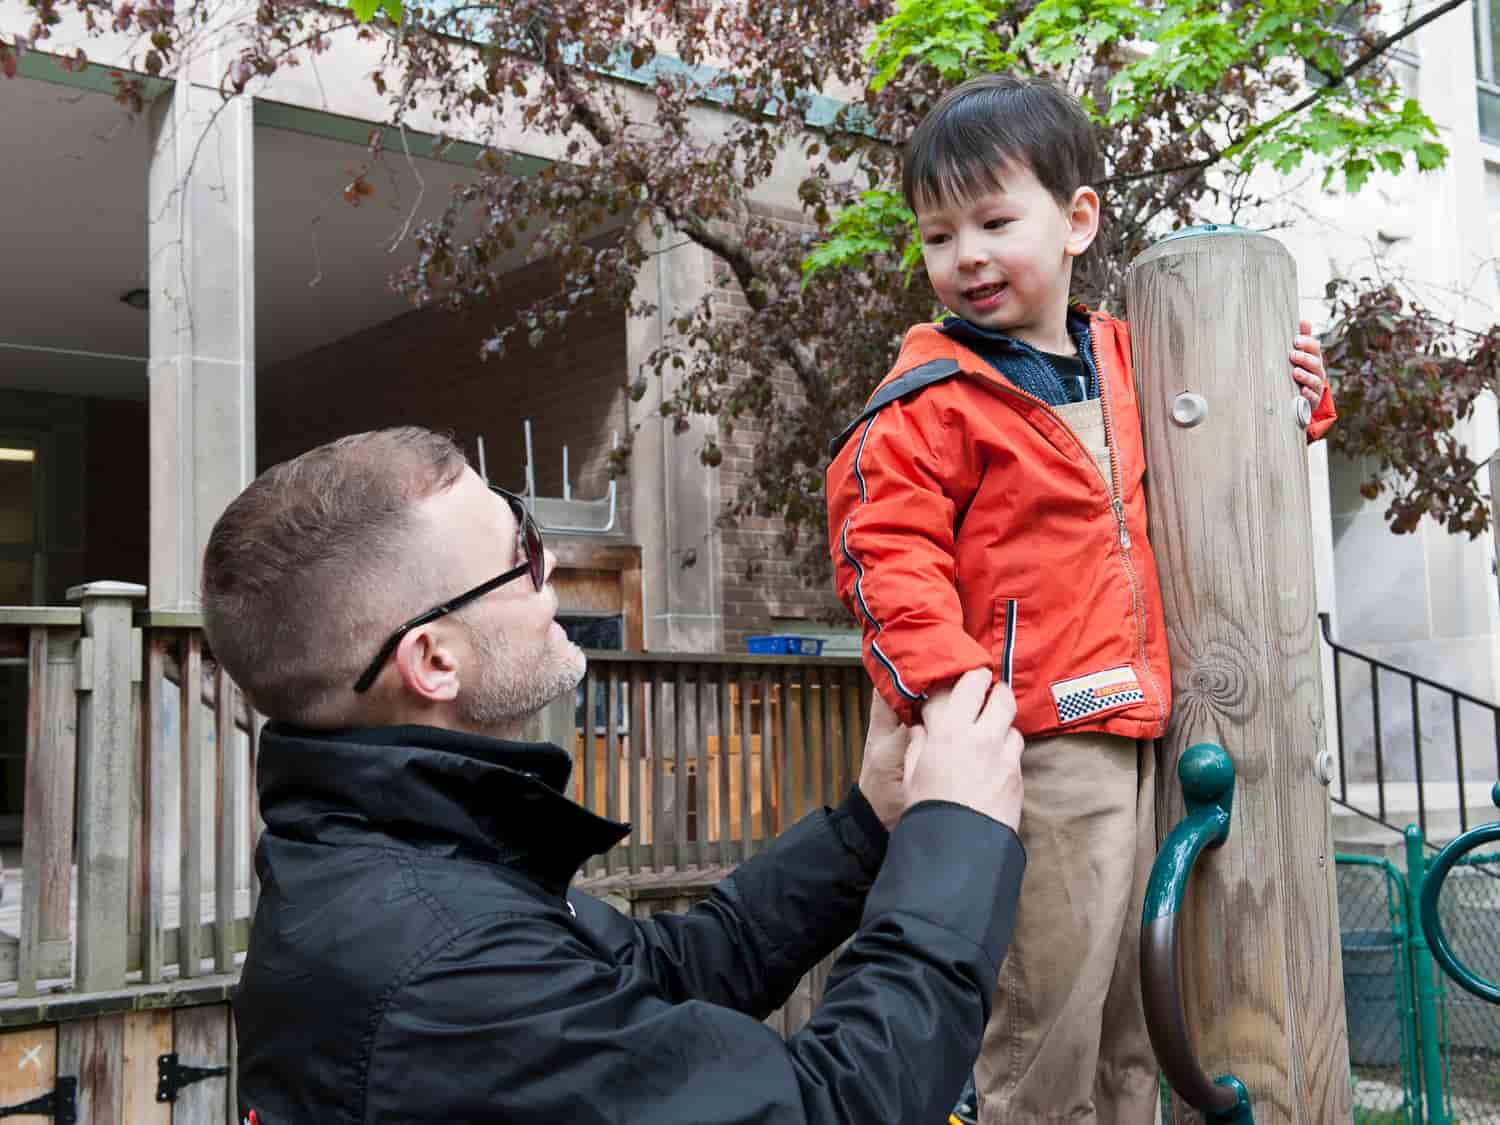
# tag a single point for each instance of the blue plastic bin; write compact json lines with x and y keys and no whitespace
{"x":1372,"y":996}
{"x":783,"y":644}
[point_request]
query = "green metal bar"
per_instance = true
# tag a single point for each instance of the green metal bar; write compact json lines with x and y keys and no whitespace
{"x":1426,"y":992}
{"x":1207,"y":776}
{"x":1432,"y":925}
{"x":1397,"y":910}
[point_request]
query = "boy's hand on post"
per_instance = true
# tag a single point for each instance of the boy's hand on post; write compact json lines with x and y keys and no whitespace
{"x":1307,"y":363}
{"x":882,"y":770}
{"x":966,"y":751}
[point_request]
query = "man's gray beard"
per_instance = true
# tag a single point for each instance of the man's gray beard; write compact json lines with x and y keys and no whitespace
{"x":514,"y":684}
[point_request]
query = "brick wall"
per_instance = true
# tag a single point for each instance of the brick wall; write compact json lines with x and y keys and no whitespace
{"x":758,"y":581}
{"x":424,"y":368}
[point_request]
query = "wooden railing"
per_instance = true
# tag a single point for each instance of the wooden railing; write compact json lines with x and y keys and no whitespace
{"x":709,"y":755}
{"x":138,"y":817}
{"x":140,"y":821}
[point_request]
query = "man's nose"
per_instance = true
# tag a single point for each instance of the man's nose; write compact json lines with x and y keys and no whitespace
{"x":549,"y":561}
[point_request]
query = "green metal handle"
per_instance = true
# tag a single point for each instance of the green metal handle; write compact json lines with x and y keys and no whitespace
{"x":1432,"y":925}
{"x":1207,"y":777}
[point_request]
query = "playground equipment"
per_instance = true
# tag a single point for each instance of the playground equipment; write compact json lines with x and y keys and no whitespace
{"x":1244,"y":972}
{"x":1207,"y":776}
{"x":1432,"y":925}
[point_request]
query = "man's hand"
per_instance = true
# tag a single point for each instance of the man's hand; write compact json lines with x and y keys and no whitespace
{"x":1307,"y":363}
{"x":882,"y":772}
{"x":966,"y":751}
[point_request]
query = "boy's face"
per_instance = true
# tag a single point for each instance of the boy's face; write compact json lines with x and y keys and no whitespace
{"x":1003,"y":259}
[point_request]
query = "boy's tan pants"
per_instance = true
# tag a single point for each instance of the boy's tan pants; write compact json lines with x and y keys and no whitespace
{"x":1067,"y":1038}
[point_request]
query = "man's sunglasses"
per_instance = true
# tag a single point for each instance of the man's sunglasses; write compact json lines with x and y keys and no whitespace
{"x":535,"y":565}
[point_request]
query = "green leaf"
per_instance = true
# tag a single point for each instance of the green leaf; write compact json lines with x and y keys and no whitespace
{"x":1430,"y":155}
{"x":1356,"y":172}
{"x":364,"y":10}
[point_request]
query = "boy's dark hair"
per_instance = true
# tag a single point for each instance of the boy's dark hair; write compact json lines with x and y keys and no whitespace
{"x":958,"y":149}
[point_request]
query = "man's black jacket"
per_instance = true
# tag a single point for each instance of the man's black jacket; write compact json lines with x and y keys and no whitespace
{"x":417,"y":955}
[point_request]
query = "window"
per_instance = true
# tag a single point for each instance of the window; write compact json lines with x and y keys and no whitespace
{"x":599,"y":632}
{"x":1487,"y":66}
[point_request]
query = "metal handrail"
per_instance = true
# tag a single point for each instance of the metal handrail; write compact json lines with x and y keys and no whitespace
{"x":1414,"y":681}
{"x":1432,"y":925}
{"x":1207,"y":776}
{"x":1324,"y":620}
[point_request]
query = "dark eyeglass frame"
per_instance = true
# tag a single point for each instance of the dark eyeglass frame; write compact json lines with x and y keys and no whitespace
{"x":530,"y":537}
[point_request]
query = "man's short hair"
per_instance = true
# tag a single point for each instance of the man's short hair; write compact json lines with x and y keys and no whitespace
{"x":959,"y":149}
{"x":311,"y":566}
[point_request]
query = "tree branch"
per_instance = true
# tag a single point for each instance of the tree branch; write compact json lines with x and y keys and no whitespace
{"x":1370,"y":54}
{"x":732,"y":251}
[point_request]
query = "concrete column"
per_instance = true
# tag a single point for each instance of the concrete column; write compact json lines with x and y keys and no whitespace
{"x":674,"y":497}
{"x":202,"y":357}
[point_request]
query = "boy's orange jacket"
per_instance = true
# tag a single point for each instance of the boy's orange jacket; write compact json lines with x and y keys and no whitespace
{"x":970,"y":528}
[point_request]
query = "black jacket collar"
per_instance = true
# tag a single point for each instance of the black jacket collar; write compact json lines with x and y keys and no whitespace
{"x":437,"y":790}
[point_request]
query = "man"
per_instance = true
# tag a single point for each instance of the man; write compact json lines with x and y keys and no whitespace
{"x":417,"y":953}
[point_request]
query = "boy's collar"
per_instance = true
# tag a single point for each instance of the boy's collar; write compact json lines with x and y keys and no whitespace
{"x":1077,"y":323}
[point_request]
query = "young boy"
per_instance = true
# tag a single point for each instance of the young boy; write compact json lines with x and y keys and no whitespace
{"x":987,"y":510}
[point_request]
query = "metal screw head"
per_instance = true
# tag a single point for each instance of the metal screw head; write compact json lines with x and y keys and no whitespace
{"x":1302,"y":411}
{"x":1188,"y":409}
{"x":1324,"y":764}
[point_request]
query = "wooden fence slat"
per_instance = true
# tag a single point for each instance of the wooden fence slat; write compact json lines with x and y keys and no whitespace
{"x":39,"y":766}
{"x":154,"y":805}
{"x":658,"y":753}
{"x":28,"y":1062}
{"x":147,"y":1036}
{"x":785,"y":756}
{"x":227,"y":806}
{"x":679,"y":772}
{"x":586,"y":740}
{"x":826,"y":750}
{"x":93,"y":1050}
{"x":635,"y":747}
{"x":854,"y":726}
{"x":769,"y":821}
{"x":47,"y":816}
{"x":807,"y":794}
{"x":700,"y":786}
{"x":201,"y":1038}
{"x":725,"y":718}
{"x":105,"y":775}
{"x":747,"y":829}
{"x":611,"y":761}
{"x":190,"y":884}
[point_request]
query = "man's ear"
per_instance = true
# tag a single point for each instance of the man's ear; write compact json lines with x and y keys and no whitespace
{"x":427,"y":663}
{"x":1083,"y":220}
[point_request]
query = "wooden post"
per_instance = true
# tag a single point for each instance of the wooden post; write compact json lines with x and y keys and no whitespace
{"x":1213,"y":313}
{"x":105,"y":755}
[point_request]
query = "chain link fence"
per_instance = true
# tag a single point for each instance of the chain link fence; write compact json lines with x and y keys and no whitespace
{"x":1378,"y":1002}
{"x":1390,"y":1067}
{"x":1469,"y":1026}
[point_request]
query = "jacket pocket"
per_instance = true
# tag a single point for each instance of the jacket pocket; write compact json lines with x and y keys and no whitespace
{"x":1006,"y":618}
